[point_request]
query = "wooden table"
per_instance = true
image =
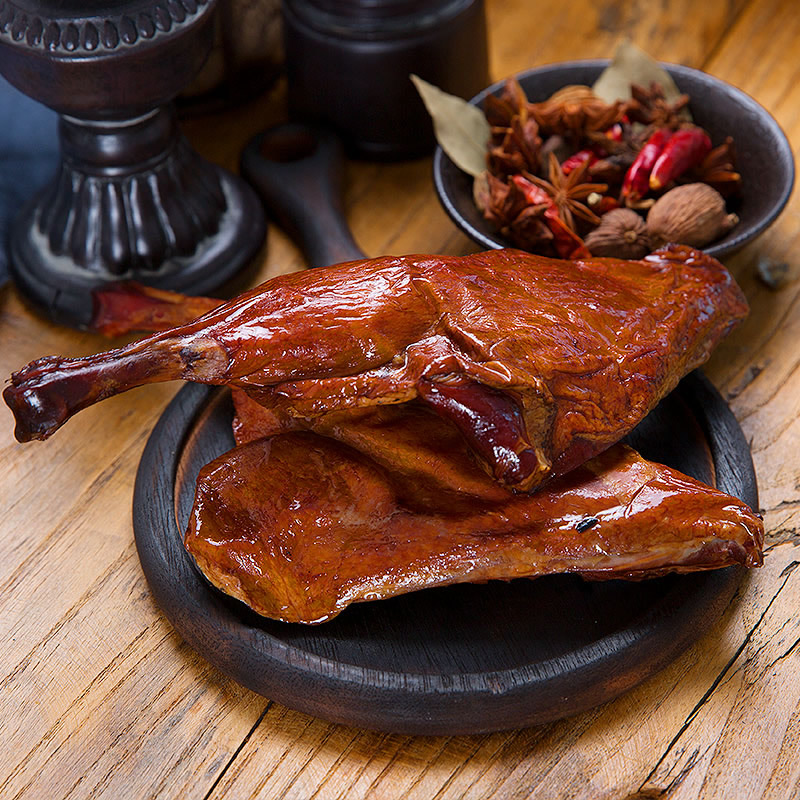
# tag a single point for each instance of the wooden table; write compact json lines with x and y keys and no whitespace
{"x":100,"y":697}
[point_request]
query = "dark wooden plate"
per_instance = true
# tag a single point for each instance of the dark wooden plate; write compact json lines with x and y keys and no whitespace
{"x":454,"y":660}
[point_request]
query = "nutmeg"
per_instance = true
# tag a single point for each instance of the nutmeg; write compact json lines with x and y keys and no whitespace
{"x":692,"y":214}
{"x":622,"y":233}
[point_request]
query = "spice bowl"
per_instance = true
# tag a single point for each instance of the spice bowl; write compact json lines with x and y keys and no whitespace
{"x":763,"y":154}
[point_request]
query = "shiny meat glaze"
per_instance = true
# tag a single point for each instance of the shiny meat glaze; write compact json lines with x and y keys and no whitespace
{"x":539,"y":363}
{"x":298,"y":526}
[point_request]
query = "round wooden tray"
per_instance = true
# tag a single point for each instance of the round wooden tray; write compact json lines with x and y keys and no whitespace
{"x":455,"y":660}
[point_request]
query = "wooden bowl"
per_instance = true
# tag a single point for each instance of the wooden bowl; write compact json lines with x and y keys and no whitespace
{"x":764,"y":157}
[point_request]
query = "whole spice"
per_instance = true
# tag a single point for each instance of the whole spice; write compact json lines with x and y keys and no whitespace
{"x":611,"y":170}
{"x":530,"y":230}
{"x":685,"y":149}
{"x":601,"y":203}
{"x":554,"y":170}
{"x":555,"y":145}
{"x":692,"y":214}
{"x":499,"y":200}
{"x":511,"y":103}
{"x":652,"y":108}
{"x":568,"y":192}
{"x":719,"y":170}
{"x":637,"y":179}
{"x":574,"y":111}
{"x":567,"y":243}
{"x":506,"y":207}
{"x":518,"y":148}
{"x":576,"y":160}
{"x":631,"y":65}
{"x":461,"y":128}
{"x":622,"y":233}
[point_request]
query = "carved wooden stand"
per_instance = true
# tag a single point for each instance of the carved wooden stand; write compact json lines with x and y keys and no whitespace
{"x":132,"y":200}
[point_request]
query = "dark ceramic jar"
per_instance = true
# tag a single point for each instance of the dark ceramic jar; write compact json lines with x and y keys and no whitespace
{"x":349,"y":61}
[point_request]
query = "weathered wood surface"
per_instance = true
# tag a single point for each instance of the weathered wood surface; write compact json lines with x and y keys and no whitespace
{"x":100,"y":698}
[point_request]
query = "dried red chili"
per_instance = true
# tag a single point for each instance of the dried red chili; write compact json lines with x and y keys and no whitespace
{"x":578,"y":159}
{"x":637,"y":178}
{"x":616,"y":132}
{"x":686,"y":148}
{"x":567,"y":243}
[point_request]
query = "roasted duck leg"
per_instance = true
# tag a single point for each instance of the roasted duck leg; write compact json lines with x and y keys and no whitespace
{"x":306,"y":516}
{"x":356,"y":475}
{"x":539,"y":363}
{"x":298,"y":526}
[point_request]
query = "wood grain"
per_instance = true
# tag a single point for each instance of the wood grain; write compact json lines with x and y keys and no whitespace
{"x":100,"y":698}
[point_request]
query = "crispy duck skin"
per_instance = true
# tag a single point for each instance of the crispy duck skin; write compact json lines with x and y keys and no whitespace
{"x":540,"y":363}
{"x":298,"y":526}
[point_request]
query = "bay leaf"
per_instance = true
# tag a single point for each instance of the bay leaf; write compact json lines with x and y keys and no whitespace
{"x":631,"y":64}
{"x":461,"y":129}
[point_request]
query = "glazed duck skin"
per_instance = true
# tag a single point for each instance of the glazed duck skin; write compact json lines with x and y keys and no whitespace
{"x":427,"y":460}
{"x":129,"y":306}
{"x":540,"y":363}
{"x":299,"y":526}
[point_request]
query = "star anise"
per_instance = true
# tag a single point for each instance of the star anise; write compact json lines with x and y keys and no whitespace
{"x":650,"y":107}
{"x":496,"y":199}
{"x":506,"y":207}
{"x":719,"y":170}
{"x":569,"y":191}
{"x":512,"y":103}
{"x":518,"y":151}
{"x":575,"y":111}
{"x":529,"y":231}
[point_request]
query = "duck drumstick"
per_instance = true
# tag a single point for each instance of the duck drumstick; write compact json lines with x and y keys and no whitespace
{"x":540,"y":363}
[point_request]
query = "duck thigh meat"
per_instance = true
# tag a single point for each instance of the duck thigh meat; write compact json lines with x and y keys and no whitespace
{"x":539,"y":363}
